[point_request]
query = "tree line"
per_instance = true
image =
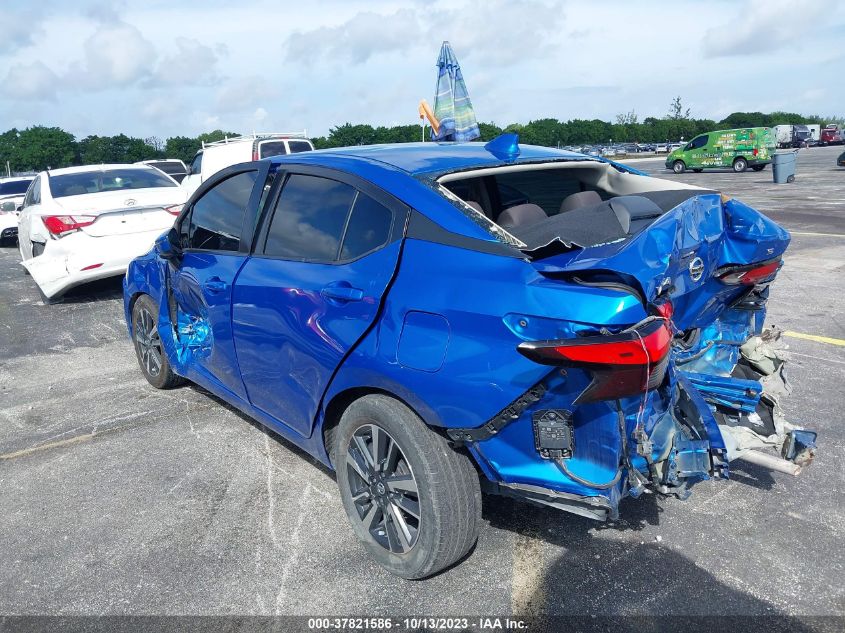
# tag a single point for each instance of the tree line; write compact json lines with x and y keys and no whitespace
{"x":38,"y":147}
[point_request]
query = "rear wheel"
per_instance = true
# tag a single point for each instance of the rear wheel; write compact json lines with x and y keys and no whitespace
{"x":151,"y":356}
{"x":679,"y":167}
{"x":413,"y":501}
{"x":740,"y":165}
{"x":758,"y":167}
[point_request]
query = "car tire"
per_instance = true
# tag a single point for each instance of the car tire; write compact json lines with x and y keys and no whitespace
{"x":698,"y":171}
{"x":416,"y":471}
{"x":758,"y":167}
{"x":148,"y":348}
{"x":740,"y":165}
{"x":679,"y":167}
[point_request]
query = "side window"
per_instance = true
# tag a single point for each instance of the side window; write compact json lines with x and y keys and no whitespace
{"x":368,"y":228}
{"x":196,"y":164}
{"x":701,"y":141}
{"x":27,"y":199}
{"x":217,"y":217}
{"x":309,"y":219}
{"x":35,"y":191}
{"x":299,"y":146}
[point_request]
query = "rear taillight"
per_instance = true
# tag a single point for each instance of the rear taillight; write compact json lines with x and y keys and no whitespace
{"x":749,"y":275}
{"x":622,"y":365}
{"x":60,"y":225}
{"x":176,"y":209}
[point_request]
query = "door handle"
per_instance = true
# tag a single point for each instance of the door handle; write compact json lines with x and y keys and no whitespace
{"x":215,"y":285}
{"x":342,"y":293}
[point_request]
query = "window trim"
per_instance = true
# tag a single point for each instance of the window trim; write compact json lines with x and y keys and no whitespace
{"x":248,"y":227}
{"x":399,"y":210}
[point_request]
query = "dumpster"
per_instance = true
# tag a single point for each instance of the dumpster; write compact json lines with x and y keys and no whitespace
{"x":783,"y":166}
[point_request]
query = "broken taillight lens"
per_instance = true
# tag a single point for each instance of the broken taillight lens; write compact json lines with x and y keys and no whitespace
{"x":622,"y":365}
{"x":749,"y":275}
{"x":60,"y":225}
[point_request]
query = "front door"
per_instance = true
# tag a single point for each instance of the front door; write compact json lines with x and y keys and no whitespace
{"x":215,"y":232}
{"x":312,"y":289}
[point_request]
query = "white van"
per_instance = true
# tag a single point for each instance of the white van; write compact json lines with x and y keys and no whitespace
{"x":241,"y":149}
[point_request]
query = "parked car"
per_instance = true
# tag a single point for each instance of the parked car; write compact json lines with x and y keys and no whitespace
{"x":173,"y":167}
{"x":427,"y":345}
{"x":661,"y":148}
{"x":79,"y":224}
{"x":221,"y":154}
{"x":737,"y":149}
{"x":840,"y":162}
{"x":12,"y":192}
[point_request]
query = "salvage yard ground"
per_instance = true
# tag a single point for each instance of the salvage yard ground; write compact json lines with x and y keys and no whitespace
{"x":116,"y":498}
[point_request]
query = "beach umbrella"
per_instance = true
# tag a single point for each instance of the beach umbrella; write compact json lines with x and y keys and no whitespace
{"x":452,"y":106}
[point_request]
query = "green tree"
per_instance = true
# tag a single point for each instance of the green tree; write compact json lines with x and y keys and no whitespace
{"x":40,"y":147}
{"x":181,"y":147}
{"x":676,"y":110}
{"x":489,"y":131}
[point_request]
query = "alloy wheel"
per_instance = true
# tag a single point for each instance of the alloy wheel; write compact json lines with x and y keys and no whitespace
{"x":149,"y":342}
{"x":384,"y":491}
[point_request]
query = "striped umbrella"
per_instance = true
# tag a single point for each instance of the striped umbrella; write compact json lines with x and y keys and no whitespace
{"x":452,"y":106}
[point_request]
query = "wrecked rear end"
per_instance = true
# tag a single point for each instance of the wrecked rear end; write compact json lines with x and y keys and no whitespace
{"x":666,"y":375}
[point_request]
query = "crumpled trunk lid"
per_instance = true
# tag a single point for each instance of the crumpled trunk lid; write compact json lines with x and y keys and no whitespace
{"x":679,"y":256}
{"x":725,"y":375}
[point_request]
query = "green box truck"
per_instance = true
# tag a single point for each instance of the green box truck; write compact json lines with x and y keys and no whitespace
{"x":736,"y":149}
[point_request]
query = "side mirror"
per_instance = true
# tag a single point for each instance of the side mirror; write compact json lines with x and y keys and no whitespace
{"x":7,"y":207}
{"x":167,"y":245}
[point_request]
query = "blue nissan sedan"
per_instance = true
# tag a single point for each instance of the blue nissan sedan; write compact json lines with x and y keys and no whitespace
{"x":436,"y":320}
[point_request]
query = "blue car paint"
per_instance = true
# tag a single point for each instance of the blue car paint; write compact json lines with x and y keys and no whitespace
{"x":465,"y":326}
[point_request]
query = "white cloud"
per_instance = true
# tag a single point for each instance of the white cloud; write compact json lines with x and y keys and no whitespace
{"x":356,"y":40}
{"x":116,"y":55}
{"x":31,"y":81}
{"x":260,"y":115}
{"x":18,"y":30}
{"x":502,"y":32}
{"x":193,"y":63}
{"x":762,"y":26}
{"x":243,"y":94}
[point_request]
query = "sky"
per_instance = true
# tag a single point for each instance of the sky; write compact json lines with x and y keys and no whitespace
{"x":168,"y":68}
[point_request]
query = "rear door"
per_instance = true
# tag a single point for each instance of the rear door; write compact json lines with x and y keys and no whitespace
{"x":322,"y":262}
{"x":216,"y":233}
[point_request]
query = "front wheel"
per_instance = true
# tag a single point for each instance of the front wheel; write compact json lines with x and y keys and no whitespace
{"x":679,"y":167}
{"x":148,"y":348}
{"x":740,"y":165}
{"x":413,"y":501}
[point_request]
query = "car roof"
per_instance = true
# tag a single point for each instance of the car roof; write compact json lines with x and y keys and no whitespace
{"x":408,"y":170}
{"x":87,"y":168}
{"x":430,"y":158}
{"x":16,"y":178}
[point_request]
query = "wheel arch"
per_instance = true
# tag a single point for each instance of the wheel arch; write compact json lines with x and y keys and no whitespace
{"x":340,"y":401}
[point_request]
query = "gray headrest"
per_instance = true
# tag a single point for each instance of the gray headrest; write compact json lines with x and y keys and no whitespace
{"x":521,"y":215}
{"x":475,"y":206}
{"x":580,"y":199}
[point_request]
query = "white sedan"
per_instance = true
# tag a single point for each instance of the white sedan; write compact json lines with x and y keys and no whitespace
{"x":79,"y":224}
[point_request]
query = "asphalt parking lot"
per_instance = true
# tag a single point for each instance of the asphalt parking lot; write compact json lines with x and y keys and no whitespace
{"x":116,"y":498}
